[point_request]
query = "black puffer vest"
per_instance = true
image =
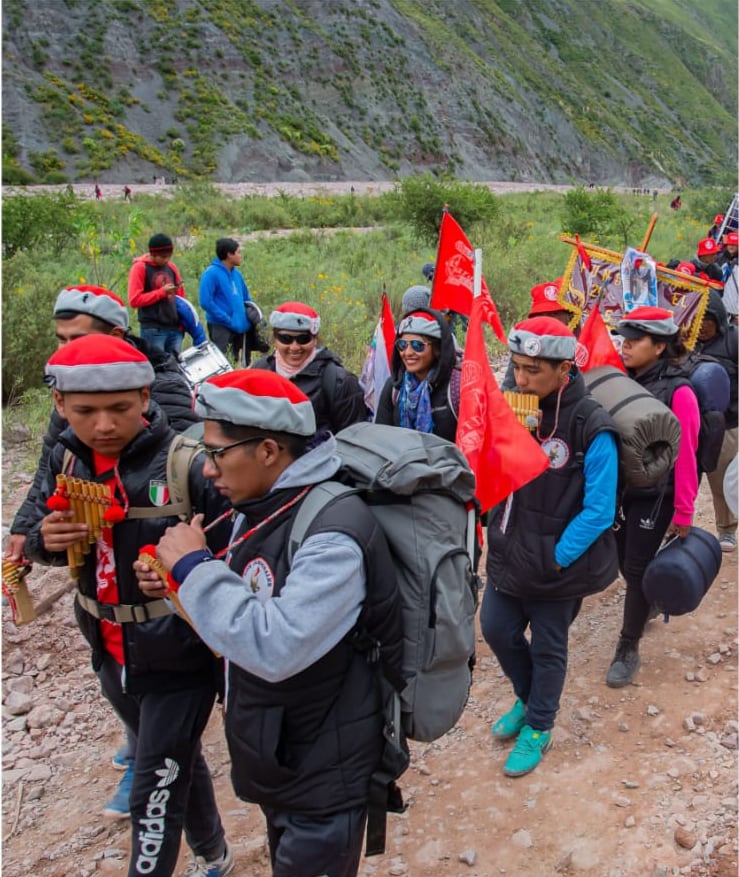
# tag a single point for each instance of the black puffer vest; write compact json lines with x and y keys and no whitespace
{"x":311,"y":742}
{"x":521,"y":560}
{"x":162,"y":314}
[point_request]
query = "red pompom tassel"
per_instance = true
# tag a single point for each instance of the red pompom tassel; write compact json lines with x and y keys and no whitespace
{"x":114,"y":514}
{"x":57,"y":503}
{"x":150,"y":549}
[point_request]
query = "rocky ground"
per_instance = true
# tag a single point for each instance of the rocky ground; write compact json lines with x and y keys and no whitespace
{"x":641,"y":781}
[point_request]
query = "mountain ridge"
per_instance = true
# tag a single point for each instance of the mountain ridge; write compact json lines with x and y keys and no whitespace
{"x":615,"y":92}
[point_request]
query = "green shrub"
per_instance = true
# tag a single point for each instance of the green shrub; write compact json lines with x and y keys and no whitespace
{"x":602,"y":216}
{"x":421,"y":200}
{"x":40,"y":222}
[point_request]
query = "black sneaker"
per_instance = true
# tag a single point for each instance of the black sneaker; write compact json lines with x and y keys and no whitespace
{"x":624,"y":665}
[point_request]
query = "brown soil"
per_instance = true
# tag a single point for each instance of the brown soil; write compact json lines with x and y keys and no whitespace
{"x":641,"y":781}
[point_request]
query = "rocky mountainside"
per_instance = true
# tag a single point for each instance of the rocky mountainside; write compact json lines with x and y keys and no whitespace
{"x":634,"y":92}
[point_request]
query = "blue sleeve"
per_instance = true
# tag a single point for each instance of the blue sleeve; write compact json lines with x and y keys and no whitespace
{"x":207,"y":298}
{"x":599,"y":501}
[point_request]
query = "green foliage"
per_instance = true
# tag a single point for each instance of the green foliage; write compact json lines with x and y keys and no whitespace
{"x":29,"y":293}
{"x":109,"y":246}
{"x":40,"y":222}
{"x":604,"y":216}
{"x":421,"y":201}
{"x":338,"y":271}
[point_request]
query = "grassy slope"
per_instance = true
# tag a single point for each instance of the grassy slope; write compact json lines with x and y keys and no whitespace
{"x":513,"y":85}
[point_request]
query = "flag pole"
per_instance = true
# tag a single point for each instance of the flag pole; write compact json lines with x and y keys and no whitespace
{"x":648,"y":233}
{"x":477,"y":275}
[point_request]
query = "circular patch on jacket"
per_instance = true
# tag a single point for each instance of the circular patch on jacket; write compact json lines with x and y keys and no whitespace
{"x":532,"y":347}
{"x":259,"y":578}
{"x":557,"y":451}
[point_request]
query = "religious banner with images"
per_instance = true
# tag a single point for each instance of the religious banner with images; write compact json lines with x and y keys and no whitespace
{"x":596,"y":276}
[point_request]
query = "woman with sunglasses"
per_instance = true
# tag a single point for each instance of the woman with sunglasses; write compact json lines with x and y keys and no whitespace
{"x":423,"y":391}
{"x":337,"y":398}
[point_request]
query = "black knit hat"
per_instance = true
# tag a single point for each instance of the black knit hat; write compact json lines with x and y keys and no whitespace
{"x":160,"y":243}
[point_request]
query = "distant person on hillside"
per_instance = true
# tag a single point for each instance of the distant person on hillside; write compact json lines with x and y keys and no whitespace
{"x":225,"y":298}
{"x":126,"y":193}
{"x":153,"y":283}
{"x":98,"y":192}
{"x":676,"y":203}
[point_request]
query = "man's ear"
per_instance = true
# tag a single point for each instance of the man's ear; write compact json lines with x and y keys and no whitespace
{"x":270,"y":451}
{"x":145,"y":394}
{"x":59,"y":403}
{"x":117,"y":332}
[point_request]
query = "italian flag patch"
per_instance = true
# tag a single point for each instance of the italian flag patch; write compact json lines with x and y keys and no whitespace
{"x":158,"y":493}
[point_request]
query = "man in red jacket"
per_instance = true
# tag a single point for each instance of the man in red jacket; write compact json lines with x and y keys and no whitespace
{"x":153,"y":283}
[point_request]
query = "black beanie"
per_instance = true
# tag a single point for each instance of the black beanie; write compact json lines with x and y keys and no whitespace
{"x":160,"y":243}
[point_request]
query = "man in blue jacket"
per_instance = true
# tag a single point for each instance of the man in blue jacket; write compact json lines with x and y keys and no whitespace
{"x":223,"y":296}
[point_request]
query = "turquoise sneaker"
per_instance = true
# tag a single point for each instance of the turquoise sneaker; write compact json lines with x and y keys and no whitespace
{"x":528,"y":751}
{"x":118,"y":806}
{"x":511,"y":723}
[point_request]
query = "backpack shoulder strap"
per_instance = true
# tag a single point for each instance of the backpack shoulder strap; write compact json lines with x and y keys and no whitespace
{"x":317,"y":499}
{"x":180,"y":455}
{"x":455,"y":390}
{"x":329,"y":381}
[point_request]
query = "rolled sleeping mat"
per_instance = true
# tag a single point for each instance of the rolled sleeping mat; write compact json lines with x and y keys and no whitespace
{"x":680,"y":574}
{"x":649,"y":431}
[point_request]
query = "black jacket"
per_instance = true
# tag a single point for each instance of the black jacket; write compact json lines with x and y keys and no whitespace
{"x":521,"y":560}
{"x":444,"y":406}
{"x":337,"y":398}
{"x":310,"y":743}
{"x":164,"y":653}
{"x":170,"y":391}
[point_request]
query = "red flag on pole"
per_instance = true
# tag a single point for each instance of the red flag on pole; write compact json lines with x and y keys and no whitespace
{"x":454,"y":274}
{"x":594,"y":344}
{"x":500,"y":450}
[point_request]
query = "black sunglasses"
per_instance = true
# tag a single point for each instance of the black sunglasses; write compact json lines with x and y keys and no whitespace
{"x":302,"y":338}
{"x":212,"y":454}
{"x":416,"y":345}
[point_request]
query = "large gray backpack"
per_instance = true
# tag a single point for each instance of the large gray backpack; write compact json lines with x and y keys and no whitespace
{"x":421,"y":490}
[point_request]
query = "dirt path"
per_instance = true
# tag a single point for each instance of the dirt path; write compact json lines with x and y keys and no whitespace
{"x":113,"y":192}
{"x":641,"y":782}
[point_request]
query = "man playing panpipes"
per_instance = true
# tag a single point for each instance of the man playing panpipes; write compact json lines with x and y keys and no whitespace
{"x":156,"y":672}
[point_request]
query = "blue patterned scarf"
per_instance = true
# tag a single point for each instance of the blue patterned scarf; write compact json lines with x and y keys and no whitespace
{"x":414,"y":403}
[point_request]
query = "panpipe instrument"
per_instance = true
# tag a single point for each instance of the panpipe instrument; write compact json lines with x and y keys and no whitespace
{"x":147,"y":555}
{"x":16,"y":590}
{"x":525,"y":406}
{"x":89,"y":503}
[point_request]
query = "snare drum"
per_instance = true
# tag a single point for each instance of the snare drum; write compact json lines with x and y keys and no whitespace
{"x":201,"y":362}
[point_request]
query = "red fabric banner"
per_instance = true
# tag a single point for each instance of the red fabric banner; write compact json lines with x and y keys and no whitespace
{"x":500,"y":450}
{"x":454,"y":276}
{"x":594,"y":345}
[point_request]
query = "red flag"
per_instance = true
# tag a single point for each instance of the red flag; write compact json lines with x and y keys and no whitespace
{"x":583,"y":253}
{"x":454,"y":276}
{"x":594,"y":347}
{"x":500,"y":450}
